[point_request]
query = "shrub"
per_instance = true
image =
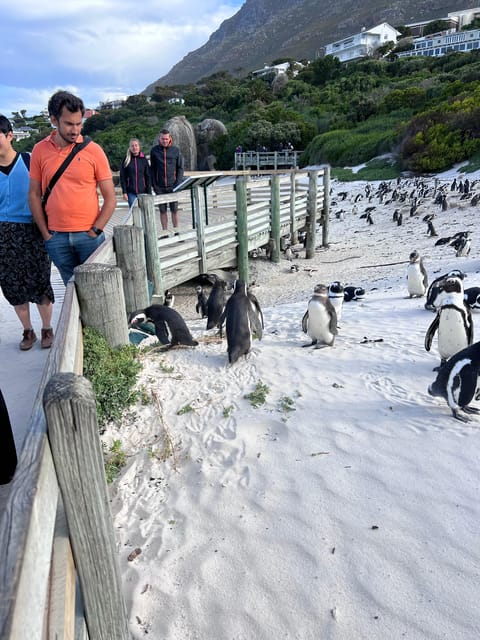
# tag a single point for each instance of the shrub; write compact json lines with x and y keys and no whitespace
{"x":113,"y":373}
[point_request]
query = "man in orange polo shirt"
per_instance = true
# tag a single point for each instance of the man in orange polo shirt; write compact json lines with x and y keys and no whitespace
{"x":73,"y":221}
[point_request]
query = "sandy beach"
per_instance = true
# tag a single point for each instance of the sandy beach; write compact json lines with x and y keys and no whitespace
{"x":343,"y":507}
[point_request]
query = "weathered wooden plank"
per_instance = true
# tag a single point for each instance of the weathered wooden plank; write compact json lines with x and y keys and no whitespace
{"x":70,"y":410}
{"x":26,"y":605}
{"x":61,"y":610}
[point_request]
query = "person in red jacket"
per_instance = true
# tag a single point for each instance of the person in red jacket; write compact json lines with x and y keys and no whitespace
{"x":166,"y":162}
{"x":134,"y":173}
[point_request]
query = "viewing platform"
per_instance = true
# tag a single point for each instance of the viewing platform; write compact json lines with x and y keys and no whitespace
{"x":261,"y":160}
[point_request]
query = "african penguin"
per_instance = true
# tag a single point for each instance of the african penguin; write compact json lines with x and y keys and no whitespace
{"x":435,"y":290}
{"x":168,"y":298}
{"x":320,"y":319}
{"x":453,"y":321}
{"x":457,"y":379}
{"x":336,"y":296}
{"x":216,"y":301}
{"x":472,"y":297}
{"x":417,"y":278}
{"x":353,"y":293}
{"x":243,"y":318}
{"x":201,"y":306}
{"x":166,"y":320}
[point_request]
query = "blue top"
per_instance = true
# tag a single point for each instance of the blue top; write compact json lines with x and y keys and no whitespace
{"x":14,"y":194}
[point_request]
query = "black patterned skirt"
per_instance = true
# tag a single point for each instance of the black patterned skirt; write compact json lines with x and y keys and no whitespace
{"x":24,"y":264}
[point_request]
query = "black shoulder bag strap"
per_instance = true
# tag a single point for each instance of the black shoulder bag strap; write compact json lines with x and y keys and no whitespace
{"x":76,"y":148}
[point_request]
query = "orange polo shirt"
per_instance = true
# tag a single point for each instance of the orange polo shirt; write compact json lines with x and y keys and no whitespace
{"x":73,"y":203}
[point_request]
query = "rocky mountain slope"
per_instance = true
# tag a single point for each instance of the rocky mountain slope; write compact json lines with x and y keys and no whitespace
{"x":264,"y":30}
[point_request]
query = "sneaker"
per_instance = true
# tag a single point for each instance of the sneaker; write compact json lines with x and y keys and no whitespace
{"x":29,"y":338}
{"x":47,"y":338}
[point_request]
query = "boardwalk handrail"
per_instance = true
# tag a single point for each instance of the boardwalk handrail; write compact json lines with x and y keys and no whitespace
{"x":39,"y":594}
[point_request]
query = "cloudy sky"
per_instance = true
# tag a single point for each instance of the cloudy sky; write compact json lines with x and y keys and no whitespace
{"x":98,"y":49}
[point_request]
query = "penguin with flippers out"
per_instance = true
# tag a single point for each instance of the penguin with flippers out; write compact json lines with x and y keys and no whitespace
{"x":320,"y":320}
{"x":453,"y":321}
{"x":417,"y":278}
{"x":243,"y":318}
{"x":457,"y":380}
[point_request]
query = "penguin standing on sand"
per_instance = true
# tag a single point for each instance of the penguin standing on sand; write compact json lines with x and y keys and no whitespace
{"x":216,"y":301}
{"x":453,"y":322}
{"x":201,"y":306}
{"x":457,"y":379}
{"x":243,"y":318}
{"x":320,"y":319}
{"x":336,"y":296}
{"x":417,"y":278}
{"x":167,"y":321}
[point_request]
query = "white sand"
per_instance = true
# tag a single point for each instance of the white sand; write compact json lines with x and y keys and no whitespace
{"x":356,"y":515}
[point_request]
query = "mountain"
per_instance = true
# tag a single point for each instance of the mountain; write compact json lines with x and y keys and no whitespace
{"x":265,"y":30}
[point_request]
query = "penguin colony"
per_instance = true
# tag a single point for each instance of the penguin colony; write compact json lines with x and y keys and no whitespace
{"x":232,"y":310}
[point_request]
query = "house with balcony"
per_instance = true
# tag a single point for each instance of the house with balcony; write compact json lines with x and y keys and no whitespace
{"x":439,"y":44}
{"x":363,"y":44}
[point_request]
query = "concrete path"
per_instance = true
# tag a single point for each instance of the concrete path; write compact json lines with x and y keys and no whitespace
{"x":21,"y":371}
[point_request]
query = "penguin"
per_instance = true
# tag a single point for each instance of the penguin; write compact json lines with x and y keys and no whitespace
{"x":336,"y":296}
{"x":216,"y":301}
{"x":243,"y":318}
{"x":353,"y":293}
{"x":453,"y":321}
{"x":166,"y":320}
{"x":461,"y":242}
{"x":417,"y":278}
{"x":320,"y":319}
{"x":472,"y":297}
{"x":201,"y":306}
{"x":435,"y":290}
{"x":457,"y":379}
{"x":168,"y":298}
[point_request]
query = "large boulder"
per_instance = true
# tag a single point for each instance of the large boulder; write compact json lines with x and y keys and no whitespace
{"x":205,"y":132}
{"x":184,"y":137}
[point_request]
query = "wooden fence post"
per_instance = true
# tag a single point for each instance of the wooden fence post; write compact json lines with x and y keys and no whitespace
{"x":242,"y":227}
{"x":275,"y":212}
{"x":102,"y":302}
{"x":326,"y":205}
{"x":311,"y":214}
{"x":154,"y":272}
{"x":200,"y":228}
{"x":69,"y":405}
{"x":130,"y":251}
{"x":293,"y":221}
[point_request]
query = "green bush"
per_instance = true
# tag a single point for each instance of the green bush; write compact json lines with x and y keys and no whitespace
{"x":113,"y":373}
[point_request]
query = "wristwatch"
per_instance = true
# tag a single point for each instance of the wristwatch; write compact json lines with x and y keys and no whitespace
{"x":96,"y":230}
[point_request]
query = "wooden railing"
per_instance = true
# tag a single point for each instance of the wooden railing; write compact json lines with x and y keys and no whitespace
{"x":259,"y":160}
{"x":57,"y":500}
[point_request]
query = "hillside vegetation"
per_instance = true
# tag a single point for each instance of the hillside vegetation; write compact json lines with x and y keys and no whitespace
{"x":424,"y":111}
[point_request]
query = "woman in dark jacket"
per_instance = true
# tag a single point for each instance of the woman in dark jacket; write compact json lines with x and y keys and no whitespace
{"x":134,"y":173}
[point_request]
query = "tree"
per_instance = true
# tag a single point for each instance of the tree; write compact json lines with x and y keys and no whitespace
{"x":435,"y":27}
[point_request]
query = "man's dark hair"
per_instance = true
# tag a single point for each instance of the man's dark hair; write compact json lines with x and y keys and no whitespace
{"x":5,"y":125}
{"x":65,"y":99}
{"x":164,"y":131}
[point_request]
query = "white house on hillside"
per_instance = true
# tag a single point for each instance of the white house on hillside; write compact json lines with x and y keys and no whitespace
{"x":362,"y":44}
{"x":438,"y":44}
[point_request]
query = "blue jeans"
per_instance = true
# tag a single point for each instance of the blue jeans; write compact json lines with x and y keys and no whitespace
{"x":131,"y":199}
{"x":68,"y":249}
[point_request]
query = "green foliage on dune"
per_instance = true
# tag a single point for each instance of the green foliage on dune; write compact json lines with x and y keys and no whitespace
{"x":423,"y":110}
